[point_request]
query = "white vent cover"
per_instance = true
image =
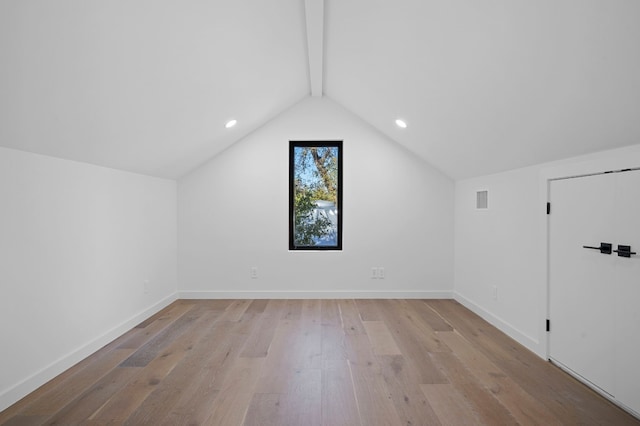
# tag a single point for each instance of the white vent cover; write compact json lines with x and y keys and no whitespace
{"x":482,"y":200}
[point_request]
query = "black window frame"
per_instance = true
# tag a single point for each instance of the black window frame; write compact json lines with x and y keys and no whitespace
{"x":339,"y":213}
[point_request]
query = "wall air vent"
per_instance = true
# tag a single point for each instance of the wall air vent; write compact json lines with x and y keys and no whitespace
{"x":482,"y":200}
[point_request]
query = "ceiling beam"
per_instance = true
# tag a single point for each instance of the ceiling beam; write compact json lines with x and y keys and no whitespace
{"x":314,"y":11}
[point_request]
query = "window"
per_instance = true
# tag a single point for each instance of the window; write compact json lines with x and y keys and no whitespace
{"x":315,"y":195}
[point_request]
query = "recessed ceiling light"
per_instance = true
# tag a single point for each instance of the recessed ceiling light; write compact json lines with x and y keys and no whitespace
{"x":231,"y":123}
{"x":401,"y":123}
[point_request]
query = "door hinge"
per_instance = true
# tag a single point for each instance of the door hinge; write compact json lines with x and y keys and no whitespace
{"x":548,"y":325}
{"x":548,"y":208}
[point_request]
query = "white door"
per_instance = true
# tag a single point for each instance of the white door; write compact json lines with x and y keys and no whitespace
{"x":627,"y":291}
{"x":593,"y":296}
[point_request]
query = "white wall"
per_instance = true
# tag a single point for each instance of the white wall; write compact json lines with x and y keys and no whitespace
{"x":506,"y":245}
{"x":498,"y":247}
{"x":77,"y":243}
{"x":233,"y":215}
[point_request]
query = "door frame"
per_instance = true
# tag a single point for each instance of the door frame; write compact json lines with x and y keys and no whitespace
{"x":614,"y":164}
{"x":616,"y":159}
{"x":578,"y":170}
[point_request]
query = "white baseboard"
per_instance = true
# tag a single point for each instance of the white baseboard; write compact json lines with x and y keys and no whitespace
{"x":527,"y":341}
{"x":444,"y":294}
{"x":16,"y":392}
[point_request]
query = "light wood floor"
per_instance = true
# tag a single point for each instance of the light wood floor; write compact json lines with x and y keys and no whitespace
{"x":314,"y":362}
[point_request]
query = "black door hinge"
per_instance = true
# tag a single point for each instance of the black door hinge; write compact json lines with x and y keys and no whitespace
{"x":548,"y":325}
{"x":548,"y":208}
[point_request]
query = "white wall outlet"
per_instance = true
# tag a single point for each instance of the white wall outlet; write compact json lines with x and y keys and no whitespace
{"x":145,"y":286}
{"x":495,"y":292}
{"x":377,"y":273}
{"x":254,"y":272}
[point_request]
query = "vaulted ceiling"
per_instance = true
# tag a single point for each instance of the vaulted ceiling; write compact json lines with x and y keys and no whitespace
{"x":485,"y":86}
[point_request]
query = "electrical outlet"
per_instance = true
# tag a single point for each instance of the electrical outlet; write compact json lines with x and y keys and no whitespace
{"x":254,"y":272}
{"x":495,"y":292}
{"x":146,"y":286}
{"x":377,"y":273}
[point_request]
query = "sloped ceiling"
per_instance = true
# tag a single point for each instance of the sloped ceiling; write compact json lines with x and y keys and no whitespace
{"x":146,"y":85}
{"x":485,"y":86}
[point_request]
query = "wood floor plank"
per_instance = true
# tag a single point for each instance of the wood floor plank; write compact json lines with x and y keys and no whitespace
{"x":373,"y":398}
{"x":368,"y":310}
{"x":80,"y":409}
{"x":64,"y":379}
{"x":381,"y":339}
{"x":295,"y":345}
{"x":293,"y":309}
{"x":489,"y":409}
{"x":157,"y":406}
{"x":408,"y":399}
{"x":236,"y":393}
{"x":451,"y":407}
{"x":265,"y":409}
{"x":298,"y":395}
{"x":228,"y":350}
{"x":481,"y":394}
{"x":258,"y":344}
{"x":522,"y":406}
{"x":350,"y":317}
{"x":160,"y":315}
{"x":451,"y":367}
{"x":339,"y":406}
{"x":164,"y":318}
{"x":275,"y":376}
{"x":311,"y":311}
{"x":565,"y":397}
{"x":158,"y":343}
{"x":412,"y":344}
{"x":257,"y":306}
{"x":153,"y":391}
{"x":473,"y":359}
{"x":215,"y":305}
{"x":542,"y":382}
{"x":332,"y":332}
{"x":198,"y":395}
{"x":25,"y":420}
{"x":358,"y":349}
{"x":476,"y":330}
{"x":247,"y":324}
{"x":235,"y":310}
{"x":330,"y":313}
{"x":118,"y":408}
{"x":195,"y":408}
{"x":429,"y":316}
{"x":482,"y":401}
{"x":303,"y":399}
{"x":400,"y":313}
{"x":141,"y":335}
{"x":67,"y":391}
{"x":333,"y":342}
{"x":305,"y":351}
{"x":275,"y":309}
